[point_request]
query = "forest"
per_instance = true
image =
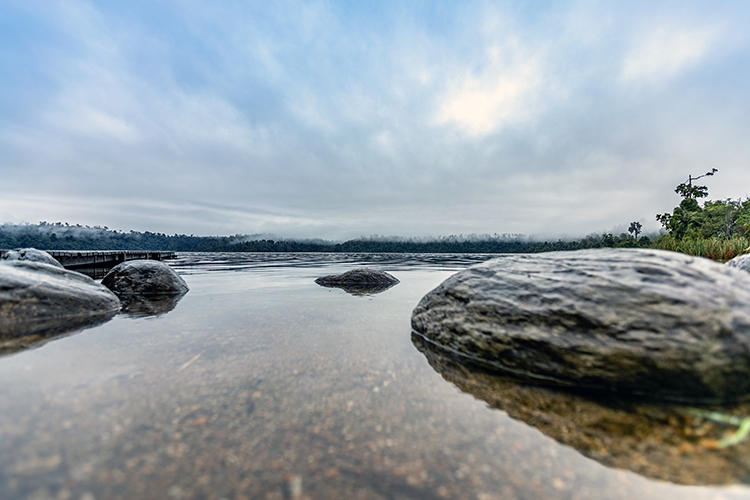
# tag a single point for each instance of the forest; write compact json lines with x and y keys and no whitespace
{"x":718,"y":229}
{"x":59,"y":236}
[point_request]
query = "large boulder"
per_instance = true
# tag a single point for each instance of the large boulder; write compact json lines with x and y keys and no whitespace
{"x":40,"y":300}
{"x":359,"y":281}
{"x":662,"y":441}
{"x":144,"y":277}
{"x":31,"y":255}
{"x":645,"y":322}
{"x":740,"y":262}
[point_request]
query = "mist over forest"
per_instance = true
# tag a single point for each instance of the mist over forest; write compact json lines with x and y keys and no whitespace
{"x":63,"y":236}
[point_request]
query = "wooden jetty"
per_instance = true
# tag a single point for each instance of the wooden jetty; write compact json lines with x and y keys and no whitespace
{"x":73,"y":259}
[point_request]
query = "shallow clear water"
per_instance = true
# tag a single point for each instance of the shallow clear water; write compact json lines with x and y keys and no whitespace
{"x":262,"y":384}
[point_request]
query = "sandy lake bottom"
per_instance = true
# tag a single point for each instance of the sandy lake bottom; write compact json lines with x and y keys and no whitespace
{"x":262,"y":384}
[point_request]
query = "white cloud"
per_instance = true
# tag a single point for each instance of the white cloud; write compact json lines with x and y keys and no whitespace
{"x":481,"y":105}
{"x":496,"y":88}
{"x":328,"y":124}
{"x":666,"y":51}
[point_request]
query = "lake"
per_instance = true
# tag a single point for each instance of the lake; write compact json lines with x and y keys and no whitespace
{"x":261,"y":384}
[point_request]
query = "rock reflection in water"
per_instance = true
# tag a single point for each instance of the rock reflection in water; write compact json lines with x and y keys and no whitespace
{"x":139,"y":306}
{"x":35,"y":333}
{"x":362,"y":289}
{"x":660,"y":441}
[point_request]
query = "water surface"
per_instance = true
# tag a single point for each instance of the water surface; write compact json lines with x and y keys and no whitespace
{"x":261,"y":384}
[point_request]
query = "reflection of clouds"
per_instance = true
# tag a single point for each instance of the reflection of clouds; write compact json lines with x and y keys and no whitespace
{"x":659,"y":441}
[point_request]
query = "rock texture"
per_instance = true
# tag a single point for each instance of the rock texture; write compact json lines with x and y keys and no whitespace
{"x":644,"y":322}
{"x":660,"y":441}
{"x":31,"y":255}
{"x":144,"y":277}
{"x":359,"y":281}
{"x":740,"y":262}
{"x":38,"y":299}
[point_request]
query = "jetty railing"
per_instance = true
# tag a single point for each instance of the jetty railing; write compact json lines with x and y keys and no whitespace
{"x":72,"y":259}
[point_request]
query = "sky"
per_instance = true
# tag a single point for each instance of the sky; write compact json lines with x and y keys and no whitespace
{"x":340,"y":119}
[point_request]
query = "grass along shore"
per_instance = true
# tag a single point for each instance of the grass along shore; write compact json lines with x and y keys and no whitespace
{"x":716,"y":248}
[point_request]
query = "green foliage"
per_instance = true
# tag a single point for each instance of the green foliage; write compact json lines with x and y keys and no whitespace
{"x":715,"y":219}
{"x":687,"y":190}
{"x":716,"y":248}
{"x":635,"y":229}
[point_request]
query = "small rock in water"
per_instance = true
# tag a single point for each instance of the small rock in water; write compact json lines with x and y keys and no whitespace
{"x":646,"y":322}
{"x":740,"y":262}
{"x":144,"y":277}
{"x":31,"y":255}
{"x":359,"y":281}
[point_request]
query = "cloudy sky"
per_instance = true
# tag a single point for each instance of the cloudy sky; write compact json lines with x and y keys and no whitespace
{"x":339,"y":119}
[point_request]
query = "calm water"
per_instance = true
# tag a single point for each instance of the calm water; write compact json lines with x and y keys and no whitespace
{"x":262,"y":384}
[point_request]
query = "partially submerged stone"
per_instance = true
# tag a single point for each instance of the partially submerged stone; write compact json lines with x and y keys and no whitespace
{"x":42,"y":300}
{"x":144,"y":277}
{"x":359,"y":281}
{"x":646,"y":322}
{"x":740,"y":262}
{"x":660,"y":441}
{"x":30,"y":255}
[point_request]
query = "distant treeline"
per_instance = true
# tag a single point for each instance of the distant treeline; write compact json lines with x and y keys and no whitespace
{"x":60,"y":236}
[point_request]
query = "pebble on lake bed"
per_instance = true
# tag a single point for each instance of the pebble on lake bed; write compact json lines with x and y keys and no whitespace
{"x":646,"y":322}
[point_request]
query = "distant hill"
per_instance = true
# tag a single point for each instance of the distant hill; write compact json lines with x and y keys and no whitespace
{"x":58,"y":236}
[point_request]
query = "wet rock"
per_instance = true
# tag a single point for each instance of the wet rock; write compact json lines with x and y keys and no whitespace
{"x":644,"y":322}
{"x":144,"y":277}
{"x":359,"y":281}
{"x":31,"y":255}
{"x":39,"y":301}
{"x":660,"y":441}
{"x":740,"y":262}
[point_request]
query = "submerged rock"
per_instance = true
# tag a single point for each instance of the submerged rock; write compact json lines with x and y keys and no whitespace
{"x":144,"y":277}
{"x":740,"y":262}
{"x":645,"y":322}
{"x":359,"y":281}
{"x":38,"y":301}
{"x":31,"y":255}
{"x":660,"y":441}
